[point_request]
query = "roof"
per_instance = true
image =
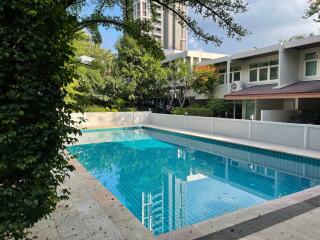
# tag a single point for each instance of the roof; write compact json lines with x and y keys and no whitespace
{"x":191,"y":53}
{"x":312,"y":41}
{"x":301,"y":89}
{"x":215,"y":61}
{"x":307,"y":42}
{"x":258,"y":52}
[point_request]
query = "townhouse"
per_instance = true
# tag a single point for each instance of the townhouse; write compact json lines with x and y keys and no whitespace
{"x":275,"y":83}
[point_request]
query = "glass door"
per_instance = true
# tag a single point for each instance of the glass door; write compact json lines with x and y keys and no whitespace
{"x":250,"y":109}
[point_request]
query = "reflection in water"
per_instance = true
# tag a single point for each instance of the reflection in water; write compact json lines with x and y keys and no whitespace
{"x":169,"y":181}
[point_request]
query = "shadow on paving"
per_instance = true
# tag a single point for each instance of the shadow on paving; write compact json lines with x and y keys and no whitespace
{"x":265,"y":221}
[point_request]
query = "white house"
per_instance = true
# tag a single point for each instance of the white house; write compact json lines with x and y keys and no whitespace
{"x":194,"y":58}
{"x":272,"y":83}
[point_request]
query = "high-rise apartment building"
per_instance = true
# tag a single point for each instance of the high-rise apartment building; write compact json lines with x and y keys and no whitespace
{"x":167,"y":29}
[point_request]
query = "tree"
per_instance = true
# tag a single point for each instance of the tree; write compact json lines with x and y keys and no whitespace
{"x":36,"y":65}
{"x":95,"y":78}
{"x":205,"y":80}
{"x":180,"y":76}
{"x":314,"y":10}
{"x":218,"y":106}
{"x":220,"y":12}
{"x":96,"y":82}
{"x":35,"y":121}
{"x":144,"y":74}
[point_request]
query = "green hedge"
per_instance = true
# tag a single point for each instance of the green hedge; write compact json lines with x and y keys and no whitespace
{"x":202,"y":112}
{"x":106,"y":109}
{"x":96,"y":109}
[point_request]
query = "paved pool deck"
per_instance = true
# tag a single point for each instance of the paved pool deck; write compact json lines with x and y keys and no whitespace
{"x":92,"y":212}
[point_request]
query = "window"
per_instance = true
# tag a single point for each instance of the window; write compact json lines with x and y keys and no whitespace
{"x":311,"y":64}
{"x":182,"y":32}
{"x":235,"y":73}
{"x":263,"y":74}
{"x":253,"y":75}
{"x":274,"y":69}
{"x":222,"y":75}
{"x":250,"y":109}
{"x":263,"y":71}
{"x":195,"y":60}
{"x":273,"y":73}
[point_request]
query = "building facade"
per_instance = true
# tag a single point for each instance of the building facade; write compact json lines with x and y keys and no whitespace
{"x":274,"y":83}
{"x":167,"y":29}
{"x":193,"y":58}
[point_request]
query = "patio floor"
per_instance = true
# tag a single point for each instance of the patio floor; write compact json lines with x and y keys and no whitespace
{"x":90,"y":213}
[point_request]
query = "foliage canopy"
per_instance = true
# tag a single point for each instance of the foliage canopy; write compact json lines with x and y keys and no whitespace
{"x":35,"y":121}
{"x":143,"y":73}
{"x":180,"y":77}
{"x":205,"y":80}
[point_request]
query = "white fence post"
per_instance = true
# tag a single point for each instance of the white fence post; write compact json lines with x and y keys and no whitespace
{"x":305,"y":137}
{"x":185,"y":122}
{"x":212,"y":126}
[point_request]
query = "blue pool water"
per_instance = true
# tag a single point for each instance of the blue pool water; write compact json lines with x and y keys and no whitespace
{"x":170,"y":180}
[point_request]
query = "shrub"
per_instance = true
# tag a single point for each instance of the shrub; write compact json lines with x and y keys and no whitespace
{"x":35,"y":120}
{"x":119,"y":103}
{"x":201,"y":112}
{"x":128,"y":110}
{"x":195,"y":105}
{"x":114,"y":110}
{"x":218,"y":107}
{"x":96,"y":109}
{"x":178,"y":111}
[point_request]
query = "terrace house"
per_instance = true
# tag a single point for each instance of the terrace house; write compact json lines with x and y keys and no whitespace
{"x":274,"y":83}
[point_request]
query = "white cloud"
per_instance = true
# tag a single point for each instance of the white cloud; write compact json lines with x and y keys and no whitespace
{"x":268,"y":20}
{"x":194,"y":44}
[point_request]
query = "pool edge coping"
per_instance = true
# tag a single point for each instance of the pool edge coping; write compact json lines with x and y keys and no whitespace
{"x":206,"y":227}
{"x":243,"y":142}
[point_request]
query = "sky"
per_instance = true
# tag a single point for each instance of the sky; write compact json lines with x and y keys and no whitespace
{"x":269,"y":21}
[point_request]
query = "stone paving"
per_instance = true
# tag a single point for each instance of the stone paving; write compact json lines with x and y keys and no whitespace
{"x":90,"y":213}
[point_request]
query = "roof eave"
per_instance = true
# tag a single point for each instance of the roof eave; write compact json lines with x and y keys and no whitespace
{"x":272,"y":96}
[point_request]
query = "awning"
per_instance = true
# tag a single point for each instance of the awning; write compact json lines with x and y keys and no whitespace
{"x":301,"y":89}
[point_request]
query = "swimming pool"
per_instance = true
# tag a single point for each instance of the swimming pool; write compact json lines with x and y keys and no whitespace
{"x":170,"y":180}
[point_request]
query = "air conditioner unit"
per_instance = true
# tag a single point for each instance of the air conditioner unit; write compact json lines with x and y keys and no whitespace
{"x":237,"y":86}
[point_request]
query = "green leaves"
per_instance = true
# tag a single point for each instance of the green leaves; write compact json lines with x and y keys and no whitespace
{"x":205,"y":80}
{"x":143,"y":73}
{"x":314,"y":10}
{"x":35,"y":122}
{"x":222,"y":13}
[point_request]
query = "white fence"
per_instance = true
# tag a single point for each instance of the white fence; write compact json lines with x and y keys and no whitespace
{"x":277,"y":115}
{"x":111,"y":119}
{"x":294,"y":135}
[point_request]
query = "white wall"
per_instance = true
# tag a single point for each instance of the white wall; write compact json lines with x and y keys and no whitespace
{"x":288,"y":67}
{"x":294,"y":135}
{"x":277,"y":115}
{"x":278,"y":133}
{"x":110,"y":119}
